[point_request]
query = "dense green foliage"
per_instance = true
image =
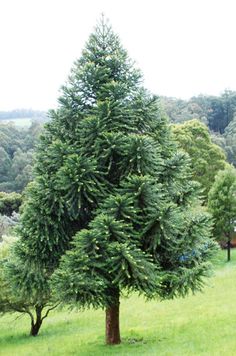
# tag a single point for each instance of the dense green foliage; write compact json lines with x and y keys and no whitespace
{"x":222,"y":203}
{"x":9,"y":208}
{"x":9,"y":202}
{"x":13,"y":302}
{"x":206,"y":157}
{"x":217,"y":112}
{"x":229,"y":143}
{"x":16,"y":155}
{"x":8,"y":303}
{"x":138,"y":184}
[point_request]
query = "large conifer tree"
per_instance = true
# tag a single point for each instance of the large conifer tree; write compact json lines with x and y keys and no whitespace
{"x":108,"y":177}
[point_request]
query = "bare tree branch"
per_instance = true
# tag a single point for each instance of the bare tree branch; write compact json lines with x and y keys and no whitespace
{"x":49,"y":309}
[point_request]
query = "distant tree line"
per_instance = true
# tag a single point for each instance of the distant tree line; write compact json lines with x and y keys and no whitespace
{"x":17,"y":145}
{"x":217,"y":112}
{"x":16,"y":155}
{"x":23,"y":113}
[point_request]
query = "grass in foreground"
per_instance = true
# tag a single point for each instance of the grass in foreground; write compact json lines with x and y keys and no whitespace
{"x":203,"y":324}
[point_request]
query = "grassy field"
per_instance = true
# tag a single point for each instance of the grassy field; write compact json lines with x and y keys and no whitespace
{"x":203,"y":324}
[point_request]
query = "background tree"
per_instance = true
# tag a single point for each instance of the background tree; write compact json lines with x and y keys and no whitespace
{"x":230,"y":141}
{"x":206,"y":157}
{"x":16,"y":155}
{"x":108,"y":176}
{"x":5,"y":224}
{"x":222,"y":205}
{"x":5,"y":164}
{"x":21,"y":169}
{"x":9,"y":203}
{"x":179,"y":110}
{"x":229,"y":105}
{"x":217,"y":112}
{"x":9,"y":207}
{"x":10,"y":302}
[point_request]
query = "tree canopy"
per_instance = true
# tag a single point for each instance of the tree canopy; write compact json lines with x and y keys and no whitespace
{"x":222,"y":205}
{"x":229,"y":143}
{"x":215,"y":111}
{"x":206,"y":157}
{"x":16,"y":155}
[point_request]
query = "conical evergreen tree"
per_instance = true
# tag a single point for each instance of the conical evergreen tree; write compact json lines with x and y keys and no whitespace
{"x":109,"y":177}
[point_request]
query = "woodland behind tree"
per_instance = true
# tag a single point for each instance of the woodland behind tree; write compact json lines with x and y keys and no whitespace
{"x":217,"y":112}
{"x":16,"y":155}
{"x":17,"y":145}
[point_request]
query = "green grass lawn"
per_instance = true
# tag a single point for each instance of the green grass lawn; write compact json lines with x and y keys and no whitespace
{"x":203,"y":324}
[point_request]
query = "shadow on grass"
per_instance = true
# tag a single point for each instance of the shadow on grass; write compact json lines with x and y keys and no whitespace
{"x":130,"y":345}
{"x":14,"y":339}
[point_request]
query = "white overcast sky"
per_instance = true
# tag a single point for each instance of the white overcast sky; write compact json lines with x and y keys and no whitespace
{"x":183,"y":47}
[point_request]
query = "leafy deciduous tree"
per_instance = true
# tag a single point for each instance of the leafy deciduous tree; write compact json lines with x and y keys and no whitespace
{"x":5,"y":164}
{"x":9,"y":202}
{"x":11,"y":302}
{"x":206,"y":157}
{"x":230,"y":141}
{"x":16,"y":155}
{"x":222,"y":205}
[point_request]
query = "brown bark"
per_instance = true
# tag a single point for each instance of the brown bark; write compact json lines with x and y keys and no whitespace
{"x":35,"y":325}
{"x":228,"y":248}
{"x":112,"y":323}
{"x":35,"y":328}
{"x":37,"y":321}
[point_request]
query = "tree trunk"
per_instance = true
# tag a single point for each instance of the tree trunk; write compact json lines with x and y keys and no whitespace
{"x":35,"y":325}
{"x":112,"y":322}
{"x":228,"y":249}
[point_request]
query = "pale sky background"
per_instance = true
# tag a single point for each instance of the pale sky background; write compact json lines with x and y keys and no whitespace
{"x":183,"y":47}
